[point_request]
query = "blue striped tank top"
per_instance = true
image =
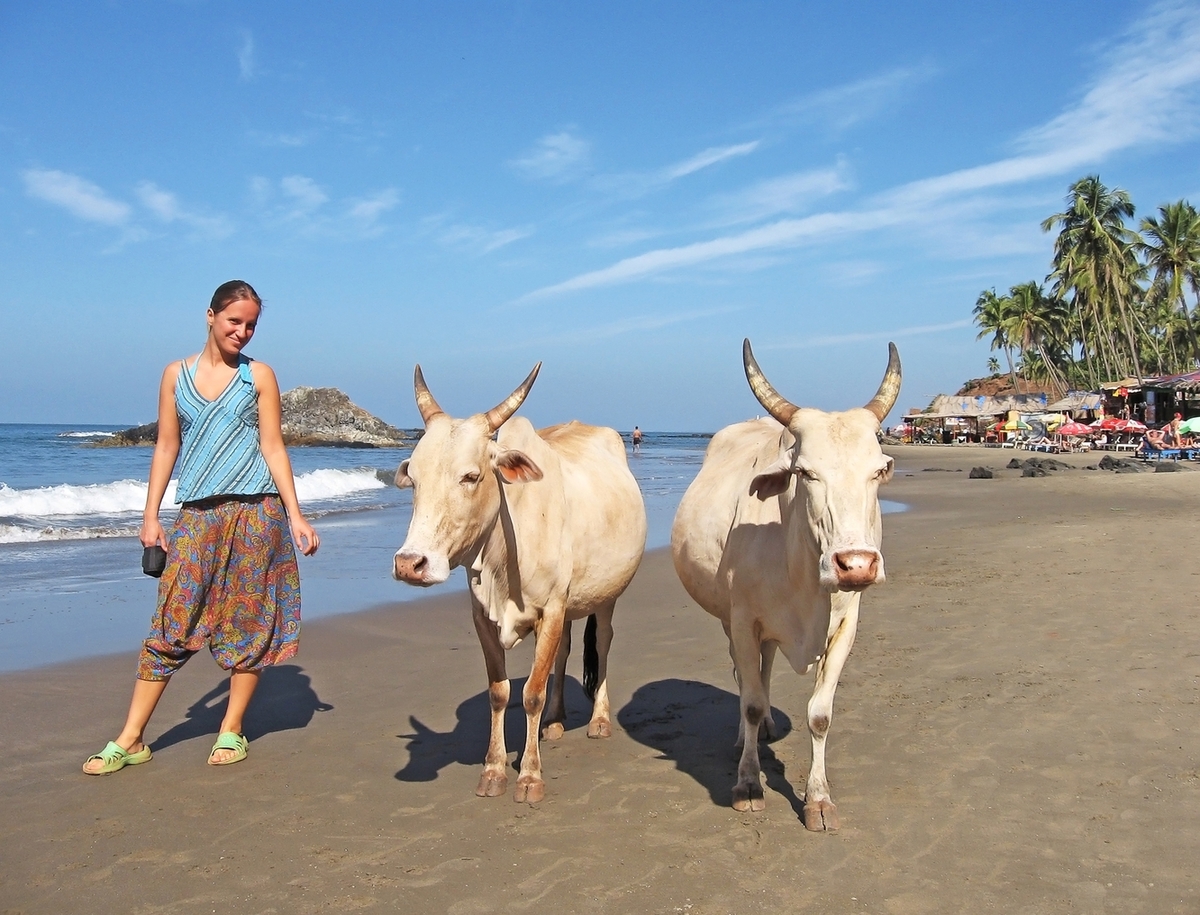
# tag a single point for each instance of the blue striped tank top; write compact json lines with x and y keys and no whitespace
{"x":221,"y":454}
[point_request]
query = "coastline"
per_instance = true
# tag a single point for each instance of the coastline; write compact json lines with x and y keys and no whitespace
{"x":1015,"y":729}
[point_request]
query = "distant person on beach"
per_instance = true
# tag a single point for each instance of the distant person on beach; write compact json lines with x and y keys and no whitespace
{"x":637,"y":440}
{"x":230,"y":580}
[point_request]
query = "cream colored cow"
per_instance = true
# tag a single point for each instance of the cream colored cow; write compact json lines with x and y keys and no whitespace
{"x":777,"y":537}
{"x":550,"y":527}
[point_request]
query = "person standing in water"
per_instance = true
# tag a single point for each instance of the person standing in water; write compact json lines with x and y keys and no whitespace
{"x":231,"y":580}
{"x":637,"y":440}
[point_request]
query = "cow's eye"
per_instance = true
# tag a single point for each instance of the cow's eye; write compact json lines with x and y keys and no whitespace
{"x":470,"y":479}
{"x":805,"y":474}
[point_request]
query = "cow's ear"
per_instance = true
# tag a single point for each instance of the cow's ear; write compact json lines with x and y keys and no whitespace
{"x":773,"y":481}
{"x":403,"y":480}
{"x":516,"y":467}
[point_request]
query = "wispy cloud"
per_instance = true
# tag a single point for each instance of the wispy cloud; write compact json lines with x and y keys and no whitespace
{"x":790,"y":194}
{"x":166,"y":207}
{"x":836,"y":339}
{"x":707,"y":157}
{"x":369,"y":209}
{"x":245,"y":57}
{"x":841,"y":107}
{"x":305,"y":194}
{"x":479,"y":239}
{"x":76,"y":195}
{"x":555,"y":157}
{"x":1148,"y":96}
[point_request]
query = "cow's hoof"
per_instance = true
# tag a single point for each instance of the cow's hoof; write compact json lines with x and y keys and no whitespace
{"x":492,"y":784}
{"x":552,"y":731}
{"x":767,"y":730}
{"x":821,"y":816}
{"x":530,"y":790}
{"x":748,"y":798}
{"x":599,"y":728}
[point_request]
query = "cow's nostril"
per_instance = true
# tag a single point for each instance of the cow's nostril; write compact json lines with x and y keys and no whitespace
{"x":419,"y":564}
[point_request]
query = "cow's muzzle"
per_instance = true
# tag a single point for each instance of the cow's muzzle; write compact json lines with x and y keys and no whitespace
{"x":415,"y":568}
{"x":857,"y":569}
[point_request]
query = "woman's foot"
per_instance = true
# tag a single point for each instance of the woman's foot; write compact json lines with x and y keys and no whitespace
{"x":229,"y":748}
{"x":115,"y":757}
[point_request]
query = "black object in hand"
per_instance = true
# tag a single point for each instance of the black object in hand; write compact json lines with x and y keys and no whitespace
{"x":154,"y":560}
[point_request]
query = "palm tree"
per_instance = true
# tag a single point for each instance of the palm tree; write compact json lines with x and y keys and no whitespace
{"x":993,"y":365}
{"x":1095,"y":265}
{"x":1035,"y":323}
{"x":1171,"y":250}
{"x":991,"y":314}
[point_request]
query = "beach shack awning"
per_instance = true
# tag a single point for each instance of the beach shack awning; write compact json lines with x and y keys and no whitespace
{"x":1076,"y":401}
{"x":1188,"y":381}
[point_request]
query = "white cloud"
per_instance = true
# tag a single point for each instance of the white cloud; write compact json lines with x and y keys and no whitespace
{"x":841,"y":107}
{"x":1149,"y":95}
{"x":708,"y":157}
{"x":792,"y":193}
{"x":895,"y":334}
{"x":305,"y":193}
{"x":369,"y":209}
{"x":245,"y":57}
{"x":478,"y":239}
{"x":167,"y":208}
{"x":555,"y":157}
{"x":76,"y":195}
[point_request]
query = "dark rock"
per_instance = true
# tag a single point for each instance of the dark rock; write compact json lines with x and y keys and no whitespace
{"x":311,"y":416}
{"x":1032,"y":470}
{"x":980,"y":473}
{"x":1120,"y":465}
{"x":1014,"y":464}
{"x":1168,"y":467}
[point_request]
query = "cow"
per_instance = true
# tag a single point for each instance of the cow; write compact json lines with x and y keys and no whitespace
{"x":550,"y":526}
{"x":777,"y":537}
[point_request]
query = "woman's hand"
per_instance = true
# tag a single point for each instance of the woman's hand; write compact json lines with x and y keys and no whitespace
{"x":152,"y":532}
{"x":304,"y":536}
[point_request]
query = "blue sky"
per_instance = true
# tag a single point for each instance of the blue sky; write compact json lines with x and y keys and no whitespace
{"x":622,"y":190}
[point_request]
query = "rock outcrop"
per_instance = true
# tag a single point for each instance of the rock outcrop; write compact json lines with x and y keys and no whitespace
{"x":311,"y":416}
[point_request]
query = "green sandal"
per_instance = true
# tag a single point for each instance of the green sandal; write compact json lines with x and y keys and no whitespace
{"x":229,"y":741}
{"x":115,"y":758}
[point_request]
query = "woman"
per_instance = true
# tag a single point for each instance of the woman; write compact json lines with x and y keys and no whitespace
{"x":230,"y":580}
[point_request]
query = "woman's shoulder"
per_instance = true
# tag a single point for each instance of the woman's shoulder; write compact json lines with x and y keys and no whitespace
{"x":175,"y":366}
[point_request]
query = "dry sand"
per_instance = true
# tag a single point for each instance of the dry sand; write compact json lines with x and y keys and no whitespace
{"x":1016,"y":731}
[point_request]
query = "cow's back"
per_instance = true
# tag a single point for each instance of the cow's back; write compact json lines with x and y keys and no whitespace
{"x":604,"y":512}
{"x":718,"y":505}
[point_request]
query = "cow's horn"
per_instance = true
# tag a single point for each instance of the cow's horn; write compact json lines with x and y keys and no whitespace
{"x":776,"y":404}
{"x":425,"y":403}
{"x":499,"y":414}
{"x":889,"y":389}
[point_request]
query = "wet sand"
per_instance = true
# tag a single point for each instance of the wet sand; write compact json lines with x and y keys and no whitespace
{"x":1017,"y":730}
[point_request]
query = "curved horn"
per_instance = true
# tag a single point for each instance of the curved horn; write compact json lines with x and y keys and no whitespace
{"x":425,"y":403}
{"x":889,"y":389}
{"x":499,"y":414}
{"x":776,"y":404}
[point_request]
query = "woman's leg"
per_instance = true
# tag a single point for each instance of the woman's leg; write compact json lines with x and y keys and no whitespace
{"x":146,"y":694}
{"x":242,"y":684}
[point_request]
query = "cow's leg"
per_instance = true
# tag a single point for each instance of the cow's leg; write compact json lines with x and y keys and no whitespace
{"x":530,"y":787}
{"x":494,"y":780}
{"x":601,"y":723}
{"x":768,"y":730}
{"x":747,"y":659}
{"x":554,"y":722}
{"x":820,"y":813}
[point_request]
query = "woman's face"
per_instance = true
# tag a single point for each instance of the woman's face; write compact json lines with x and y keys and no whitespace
{"x":233,"y":326}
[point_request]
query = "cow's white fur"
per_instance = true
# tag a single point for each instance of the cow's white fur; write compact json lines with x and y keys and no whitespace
{"x":551,"y":527}
{"x":758,"y":541}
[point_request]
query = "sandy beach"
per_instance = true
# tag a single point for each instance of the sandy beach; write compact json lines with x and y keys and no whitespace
{"x":1016,"y":731}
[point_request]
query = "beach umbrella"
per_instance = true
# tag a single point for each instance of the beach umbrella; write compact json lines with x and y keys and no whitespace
{"x":1016,"y":424}
{"x":1190,"y":426}
{"x":1074,"y":428}
{"x":1129,"y":425}
{"x":1111,"y":423}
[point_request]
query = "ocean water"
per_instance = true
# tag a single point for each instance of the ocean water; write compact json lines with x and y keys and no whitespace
{"x":70,"y":563}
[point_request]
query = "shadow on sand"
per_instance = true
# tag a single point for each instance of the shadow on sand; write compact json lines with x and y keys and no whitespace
{"x":284,"y":701}
{"x":694,"y":725}
{"x":430,"y":751}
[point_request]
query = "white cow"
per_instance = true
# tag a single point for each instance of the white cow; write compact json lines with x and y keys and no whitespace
{"x":777,"y":537}
{"x":550,"y":526}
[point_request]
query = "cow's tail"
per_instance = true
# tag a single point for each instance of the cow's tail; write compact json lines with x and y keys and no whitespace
{"x":591,"y":659}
